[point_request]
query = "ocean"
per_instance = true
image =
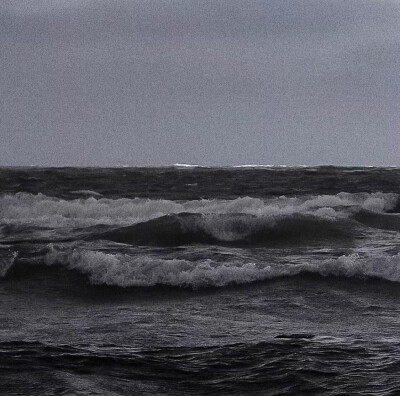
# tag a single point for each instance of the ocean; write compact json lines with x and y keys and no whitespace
{"x":188,"y":280}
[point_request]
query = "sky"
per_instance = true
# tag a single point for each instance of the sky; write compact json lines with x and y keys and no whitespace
{"x":215,"y":83}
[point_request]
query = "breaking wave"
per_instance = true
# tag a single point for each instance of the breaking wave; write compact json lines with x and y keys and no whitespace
{"x":125,"y":270}
{"x":230,"y":229}
{"x":43,"y":211}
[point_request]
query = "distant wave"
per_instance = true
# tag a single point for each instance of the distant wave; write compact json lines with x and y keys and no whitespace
{"x":261,"y":166}
{"x":254,"y":166}
{"x":187,"y":166}
{"x":125,"y":271}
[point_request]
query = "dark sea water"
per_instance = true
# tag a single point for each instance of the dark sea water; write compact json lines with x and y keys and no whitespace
{"x":187,"y":280}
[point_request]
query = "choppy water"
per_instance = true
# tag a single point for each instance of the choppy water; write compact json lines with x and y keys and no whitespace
{"x":181,"y":280}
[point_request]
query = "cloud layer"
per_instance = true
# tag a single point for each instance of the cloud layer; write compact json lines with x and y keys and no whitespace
{"x":215,"y":83}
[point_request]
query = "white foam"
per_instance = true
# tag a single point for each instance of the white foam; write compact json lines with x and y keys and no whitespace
{"x":125,"y":270}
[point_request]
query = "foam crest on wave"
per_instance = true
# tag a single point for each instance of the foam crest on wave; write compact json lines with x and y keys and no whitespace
{"x":125,"y":271}
{"x":41,"y":210}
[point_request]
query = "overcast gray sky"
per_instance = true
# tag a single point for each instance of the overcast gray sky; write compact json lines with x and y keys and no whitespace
{"x":227,"y":82}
